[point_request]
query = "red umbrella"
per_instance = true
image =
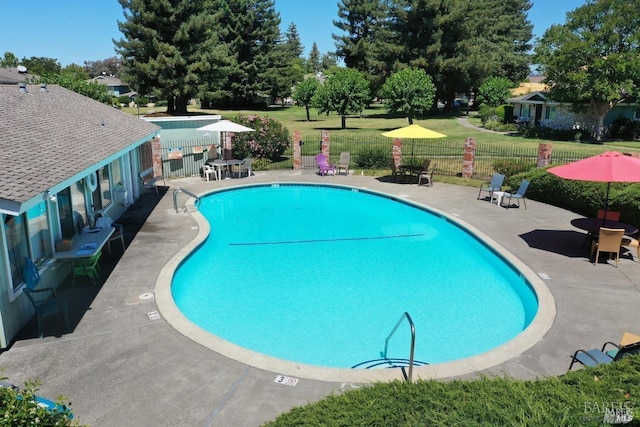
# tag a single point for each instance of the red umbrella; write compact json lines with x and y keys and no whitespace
{"x":610,"y":166}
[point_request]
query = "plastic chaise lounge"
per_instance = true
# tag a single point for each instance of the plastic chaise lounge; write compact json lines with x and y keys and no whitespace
{"x":495,"y":185}
{"x":602,"y":356}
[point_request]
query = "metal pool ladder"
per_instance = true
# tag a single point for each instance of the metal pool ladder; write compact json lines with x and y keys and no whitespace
{"x":185,"y":191}
{"x":413,"y":343}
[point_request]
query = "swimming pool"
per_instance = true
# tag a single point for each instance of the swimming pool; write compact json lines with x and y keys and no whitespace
{"x":316,"y":289}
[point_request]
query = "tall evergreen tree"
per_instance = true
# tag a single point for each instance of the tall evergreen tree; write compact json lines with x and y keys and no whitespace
{"x":362,"y":22}
{"x":292,"y":40}
{"x":313,"y":64}
{"x":163,"y":48}
{"x":251,"y":30}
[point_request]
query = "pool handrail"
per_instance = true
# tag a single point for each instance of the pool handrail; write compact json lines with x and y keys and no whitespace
{"x":185,"y":191}
{"x":413,"y":342}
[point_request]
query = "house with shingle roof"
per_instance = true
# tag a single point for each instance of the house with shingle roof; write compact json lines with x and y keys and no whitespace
{"x":66,"y":157}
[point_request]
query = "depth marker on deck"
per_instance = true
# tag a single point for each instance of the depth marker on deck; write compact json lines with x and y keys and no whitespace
{"x":284,"y":380}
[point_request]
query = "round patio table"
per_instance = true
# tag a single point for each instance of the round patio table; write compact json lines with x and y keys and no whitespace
{"x":592,"y":225}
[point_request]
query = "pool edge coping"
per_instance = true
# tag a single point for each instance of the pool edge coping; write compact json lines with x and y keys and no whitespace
{"x":533,"y":334}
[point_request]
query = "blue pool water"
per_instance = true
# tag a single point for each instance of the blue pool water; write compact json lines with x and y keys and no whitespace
{"x":320,"y":275}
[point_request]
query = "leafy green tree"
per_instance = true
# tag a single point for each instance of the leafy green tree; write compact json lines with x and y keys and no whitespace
{"x":494,"y":91}
{"x":313,"y":63}
{"x":78,"y":83}
{"x":287,"y":65}
{"x":41,"y":66}
{"x":167,"y":48}
{"x":110,"y":67}
{"x":592,"y":60}
{"x":9,"y":60}
{"x":304,"y":92}
{"x":345,"y":92}
{"x":411,"y":91}
{"x":76,"y":71}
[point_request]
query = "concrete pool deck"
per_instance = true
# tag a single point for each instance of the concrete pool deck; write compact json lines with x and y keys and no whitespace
{"x":120,"y":366}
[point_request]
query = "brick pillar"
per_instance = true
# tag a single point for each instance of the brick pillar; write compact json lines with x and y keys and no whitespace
{"x":468,"y":157}
{"x":396,"y":154}
{"x":544,"y":154}
{"x":156,"y":156}
{"x":324,"y":143}
{"x":297,"y":151}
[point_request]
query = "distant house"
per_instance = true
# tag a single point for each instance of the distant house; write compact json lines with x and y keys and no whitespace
{"x":15,"y":75}
{"x":537,"y":109}
{"x":116,"y":86}
{"x":66,"y":158}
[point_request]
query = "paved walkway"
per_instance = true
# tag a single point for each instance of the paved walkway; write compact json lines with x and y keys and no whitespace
{"x":120,"y":367}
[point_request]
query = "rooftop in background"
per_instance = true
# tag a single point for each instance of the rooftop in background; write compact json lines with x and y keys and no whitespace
{"x":534,"y":83}
{"x":13,"y":75}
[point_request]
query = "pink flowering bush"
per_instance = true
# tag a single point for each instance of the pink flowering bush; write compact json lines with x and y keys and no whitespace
{"x":269,"y":140}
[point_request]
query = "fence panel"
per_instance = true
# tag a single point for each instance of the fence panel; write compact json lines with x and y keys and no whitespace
{"x":187,"y":157}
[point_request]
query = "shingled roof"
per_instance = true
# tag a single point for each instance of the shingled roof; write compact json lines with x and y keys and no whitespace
{"x":51,"y":134}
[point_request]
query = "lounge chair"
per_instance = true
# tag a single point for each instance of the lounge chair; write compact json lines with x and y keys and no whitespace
{"x":609,"y":240}
{"x":324,"y":166}
{"x":495,"y":185}
{"x":427,"y":175}
{"x":45,"y":301}
{"x":602,"y":356}
{"x":343,"y":164}
{"x":518,"y":194}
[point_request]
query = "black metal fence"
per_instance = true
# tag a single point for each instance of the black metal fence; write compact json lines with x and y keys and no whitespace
{"x":187,"y":157}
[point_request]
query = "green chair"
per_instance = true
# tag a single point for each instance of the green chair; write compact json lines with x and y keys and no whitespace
{"x":45,"y":301}
{"x":88,"y":266}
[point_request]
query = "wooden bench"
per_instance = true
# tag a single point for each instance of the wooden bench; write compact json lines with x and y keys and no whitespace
{"x":151,"y":183}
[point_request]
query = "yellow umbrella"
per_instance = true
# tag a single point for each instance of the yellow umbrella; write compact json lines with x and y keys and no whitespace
{"x":413,"y":131}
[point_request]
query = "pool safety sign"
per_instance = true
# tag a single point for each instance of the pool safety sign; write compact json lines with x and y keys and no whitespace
{"x":284,"y":380}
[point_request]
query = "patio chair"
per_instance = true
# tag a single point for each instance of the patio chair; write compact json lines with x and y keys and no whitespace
{"x":245,"y":166}
{"x":495,"y":185}
{"x":518,"y":195}
{"x":427,"y":175}
{"x":398,"y":171}
{"x":609,"y":240}
{"x":104,"y":221}
{"x":324,"y":166}
{"x":602,"y":356}
{"x":45,"y":301}
{"x":631,"y":242}
{"x":343,"y":164}
{"x":209,"y":170}
{"x":87,"y":266}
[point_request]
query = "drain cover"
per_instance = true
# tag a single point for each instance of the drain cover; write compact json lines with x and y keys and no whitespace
{"x":146,"y":296}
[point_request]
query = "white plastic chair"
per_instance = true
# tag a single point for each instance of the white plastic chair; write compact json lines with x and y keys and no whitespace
{"x":210,"y":170}
{"x":245,"y":166}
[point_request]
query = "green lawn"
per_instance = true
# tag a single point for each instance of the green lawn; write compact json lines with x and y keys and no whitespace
{"x":375,"y":120}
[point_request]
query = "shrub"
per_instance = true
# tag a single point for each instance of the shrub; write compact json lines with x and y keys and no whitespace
{"x":373,"y":158}
{"x":260,"y":164}
{"x":268,"y":141}
{"x":584,"y":198}
{"x":512,"y":167}
{"x":500,"y":113}
{"x":19,"y":408}
{"x":124,"y":99}
{"x":486,"y":113}
{"x":625,"y":129}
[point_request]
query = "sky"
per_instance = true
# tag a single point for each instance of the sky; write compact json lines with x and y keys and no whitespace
{"x":75,"y":31}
